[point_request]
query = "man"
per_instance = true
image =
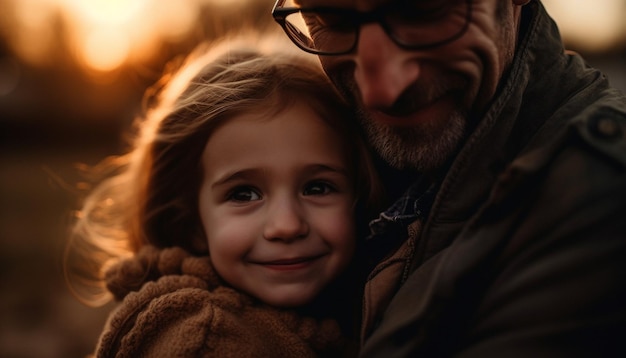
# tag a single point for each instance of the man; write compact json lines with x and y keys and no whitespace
{"x":511,"y":241}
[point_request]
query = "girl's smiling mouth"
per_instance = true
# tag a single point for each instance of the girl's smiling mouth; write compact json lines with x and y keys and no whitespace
{"x":289,"y":264}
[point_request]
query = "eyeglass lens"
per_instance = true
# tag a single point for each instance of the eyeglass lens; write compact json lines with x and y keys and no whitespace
{"x":410,"y":24}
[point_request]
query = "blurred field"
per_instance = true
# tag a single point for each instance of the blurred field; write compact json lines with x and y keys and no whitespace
{"x":54,"y":117}
{"x":49,"y":124}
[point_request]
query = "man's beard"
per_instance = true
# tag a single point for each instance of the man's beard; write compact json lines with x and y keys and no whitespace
{"x":425,"y":147}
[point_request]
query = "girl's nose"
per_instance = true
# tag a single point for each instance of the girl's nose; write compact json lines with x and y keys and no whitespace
{"x":285,"y":221}
{"x":383,"y":70}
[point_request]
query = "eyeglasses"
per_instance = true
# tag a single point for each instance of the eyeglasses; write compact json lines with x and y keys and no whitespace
{"x":411,"y":24}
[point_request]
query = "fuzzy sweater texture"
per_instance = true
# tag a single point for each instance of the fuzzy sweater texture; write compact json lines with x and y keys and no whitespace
{"x":174,"y":304}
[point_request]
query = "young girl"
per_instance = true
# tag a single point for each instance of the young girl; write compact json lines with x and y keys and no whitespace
{"x":229,"y":227}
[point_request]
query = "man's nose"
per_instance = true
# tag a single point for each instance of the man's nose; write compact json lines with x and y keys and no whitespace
{"x":383,"y":70}
{"x":285,"y":221}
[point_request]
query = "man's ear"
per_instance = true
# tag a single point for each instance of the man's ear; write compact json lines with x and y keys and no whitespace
{"x":521,"y":2}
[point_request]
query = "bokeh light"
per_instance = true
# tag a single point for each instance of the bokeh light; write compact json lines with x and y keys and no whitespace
{"x":31,"y":35}
{"x":104,"y":49}
{"x":591,"y":26}
{"x":102,"y":35}
{"x":106,"y":34}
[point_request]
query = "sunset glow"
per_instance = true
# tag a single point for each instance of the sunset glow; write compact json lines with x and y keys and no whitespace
{"x":104,"y":49}
{"x":103,"y":35}
{"x":108,"y":33}
{"x":34,"y":38}
{"x":593,"y":25}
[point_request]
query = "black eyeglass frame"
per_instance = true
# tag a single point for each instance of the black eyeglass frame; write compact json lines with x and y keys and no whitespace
{"x":280,"y":16}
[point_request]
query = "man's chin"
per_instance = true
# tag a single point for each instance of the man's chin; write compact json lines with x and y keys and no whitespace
{"x":424,"y":148}
{"x":422,"y":145}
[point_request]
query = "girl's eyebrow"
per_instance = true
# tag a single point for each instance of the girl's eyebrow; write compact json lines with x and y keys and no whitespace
{"x":319,"y":168}
{"x":248,"y":173}
{"x":236,"y":175}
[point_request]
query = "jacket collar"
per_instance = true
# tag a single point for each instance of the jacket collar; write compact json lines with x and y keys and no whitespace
{"x":539,"y":81}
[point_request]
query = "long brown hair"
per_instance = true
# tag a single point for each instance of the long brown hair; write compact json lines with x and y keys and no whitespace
{"x":151,"y":194}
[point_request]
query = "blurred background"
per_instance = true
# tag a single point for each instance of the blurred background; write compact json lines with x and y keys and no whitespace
{"x":72,"y":75}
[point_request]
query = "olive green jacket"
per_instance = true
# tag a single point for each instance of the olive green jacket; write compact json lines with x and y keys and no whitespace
{"x":523,"y":253}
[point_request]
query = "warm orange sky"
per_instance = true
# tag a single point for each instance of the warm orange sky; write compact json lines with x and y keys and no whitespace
{"x":104,"y":34}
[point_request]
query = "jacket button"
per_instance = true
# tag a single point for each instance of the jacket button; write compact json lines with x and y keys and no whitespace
{"x":605,"y":127}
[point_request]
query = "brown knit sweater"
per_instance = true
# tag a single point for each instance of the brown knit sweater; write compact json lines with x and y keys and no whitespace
{"x":175,"y":305}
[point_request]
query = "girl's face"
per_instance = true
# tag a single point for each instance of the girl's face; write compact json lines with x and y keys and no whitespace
{"x":276,"y":204}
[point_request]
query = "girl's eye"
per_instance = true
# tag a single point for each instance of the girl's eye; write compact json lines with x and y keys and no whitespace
{"x":318,"y":188}
{"x":244,"y":194}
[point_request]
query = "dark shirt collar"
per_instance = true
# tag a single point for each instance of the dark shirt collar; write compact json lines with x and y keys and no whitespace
{"x":389,"y":230}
